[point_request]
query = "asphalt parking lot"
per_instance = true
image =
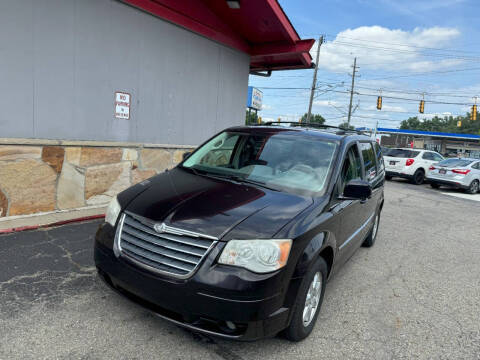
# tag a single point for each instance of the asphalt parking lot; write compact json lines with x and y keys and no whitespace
{"x":415,"y":294}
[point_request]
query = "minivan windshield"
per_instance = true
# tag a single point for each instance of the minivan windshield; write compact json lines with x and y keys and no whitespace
{"x":402,"y":153}
{"x":455,"y":163}
{"x":276,"y":160}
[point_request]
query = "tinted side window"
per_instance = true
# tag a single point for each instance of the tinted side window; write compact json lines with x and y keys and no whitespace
{"x":368,"y":161}
{"x":351,"y":169}
{"x":476,"y":166}
{"x":437,"y":157}
{"x":379,"y":154}
{"x":427,"y":156}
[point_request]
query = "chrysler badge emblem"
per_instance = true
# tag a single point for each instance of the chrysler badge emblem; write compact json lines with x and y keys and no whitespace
{"x":160,"y":228}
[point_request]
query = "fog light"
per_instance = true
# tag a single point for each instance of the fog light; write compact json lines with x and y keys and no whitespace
{"x":230,"y":325}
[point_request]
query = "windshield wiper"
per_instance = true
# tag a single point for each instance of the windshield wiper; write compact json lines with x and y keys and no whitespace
{"x":244,"y":180}
{"x":236,"y":178}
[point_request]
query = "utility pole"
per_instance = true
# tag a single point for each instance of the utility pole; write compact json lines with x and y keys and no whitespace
{"x":314,"y":83}
{"x":375,"y":132}
{"x":351,"y":91}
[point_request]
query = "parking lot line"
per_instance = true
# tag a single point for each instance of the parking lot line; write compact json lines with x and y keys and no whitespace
{"x":474,"y":197}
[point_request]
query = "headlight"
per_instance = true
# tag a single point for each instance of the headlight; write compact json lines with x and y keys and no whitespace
{"x":113,"y":210}
{"x":259,"y":256}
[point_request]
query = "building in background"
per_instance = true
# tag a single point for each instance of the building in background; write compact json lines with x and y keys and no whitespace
{"x":465,"y":145}
{"x":98,"y":95}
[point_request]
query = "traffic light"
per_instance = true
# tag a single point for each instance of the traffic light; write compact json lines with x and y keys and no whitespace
{"x":473,"y":114}
{"x":279,"y":119}
{"x":379,"y":103}
{"x":421,"y":108}
{"x":459,"y":123}
{"x":259,"y":119}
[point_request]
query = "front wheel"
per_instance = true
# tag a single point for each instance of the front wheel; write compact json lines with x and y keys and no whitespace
{"x":372,"y":236}
{"x":473,"y":188}
{"x":308,"y":302}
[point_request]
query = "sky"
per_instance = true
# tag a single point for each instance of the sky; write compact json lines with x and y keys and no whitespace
{"x":406,"y":50}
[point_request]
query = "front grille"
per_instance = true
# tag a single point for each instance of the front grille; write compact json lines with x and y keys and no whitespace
{"x":173,"y":251}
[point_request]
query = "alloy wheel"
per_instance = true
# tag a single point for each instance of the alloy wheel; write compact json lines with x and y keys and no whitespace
{"x":375,"y":227}
{"x":474,"y":187}
{"x":312,"y":300}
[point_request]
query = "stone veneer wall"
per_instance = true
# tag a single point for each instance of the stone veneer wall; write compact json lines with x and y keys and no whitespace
{"x":56,"y":175}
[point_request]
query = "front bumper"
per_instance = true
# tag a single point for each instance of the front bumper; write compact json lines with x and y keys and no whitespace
{"x":449,"y":183}
{"x":208,"y":299}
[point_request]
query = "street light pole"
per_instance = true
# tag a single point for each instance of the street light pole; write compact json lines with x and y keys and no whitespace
{"x":351,"y":90}
{"x":314,"y":83}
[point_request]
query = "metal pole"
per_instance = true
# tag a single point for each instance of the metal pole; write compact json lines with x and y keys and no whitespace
{"x":351,"y":91}
{"x":314,"y":82}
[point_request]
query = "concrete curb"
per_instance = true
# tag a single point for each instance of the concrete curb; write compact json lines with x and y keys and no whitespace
{"x":54,"y":218}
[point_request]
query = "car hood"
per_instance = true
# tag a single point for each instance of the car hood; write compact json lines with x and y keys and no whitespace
{"x":215,"y":207}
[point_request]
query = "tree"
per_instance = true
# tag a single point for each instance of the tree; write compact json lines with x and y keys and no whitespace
{"x":445,"y":124}
{"x":251,"y":119}
{"x":346,"y":126}
{"x":314,"y":118}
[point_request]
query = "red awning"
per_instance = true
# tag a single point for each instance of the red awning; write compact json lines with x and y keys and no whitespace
{"x":259,"y":28}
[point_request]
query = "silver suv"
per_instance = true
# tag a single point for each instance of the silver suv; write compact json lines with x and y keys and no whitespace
{"x":460,"y":173}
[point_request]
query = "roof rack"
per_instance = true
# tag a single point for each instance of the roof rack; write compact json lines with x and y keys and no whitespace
{"x":314,"y":125}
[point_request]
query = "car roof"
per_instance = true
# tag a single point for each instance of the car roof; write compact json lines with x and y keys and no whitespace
{"x":415,"y":149}
{"x":463,"y":158}
{"x":334,"y":134}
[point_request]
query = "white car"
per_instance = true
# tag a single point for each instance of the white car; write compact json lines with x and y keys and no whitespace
{"x":411,"y":164}
{"x":460,"y":173}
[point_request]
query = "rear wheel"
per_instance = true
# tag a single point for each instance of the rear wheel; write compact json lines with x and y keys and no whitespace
{"x":473,"y":188}
{"x":434,"y":185}
{"x":418,"y":177}
{"x":308,"y":302}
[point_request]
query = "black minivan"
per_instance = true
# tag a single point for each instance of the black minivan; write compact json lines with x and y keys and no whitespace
{"x":240,"y":238}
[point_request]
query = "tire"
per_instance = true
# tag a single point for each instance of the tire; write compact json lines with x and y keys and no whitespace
{"x":372,"y":235}
{"x":298,"y":330}
{"x":474,"y":187}
{"x":418,"y":177}
{"x":435,"y":185}
{"x":388,"y":177}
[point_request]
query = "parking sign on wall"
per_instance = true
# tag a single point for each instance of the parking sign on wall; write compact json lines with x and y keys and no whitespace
{"x":122,"y":105}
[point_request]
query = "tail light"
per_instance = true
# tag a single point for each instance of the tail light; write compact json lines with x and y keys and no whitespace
{"x":432,"y":168}
{"x":461,"y":171}
{"x":409,"y":162}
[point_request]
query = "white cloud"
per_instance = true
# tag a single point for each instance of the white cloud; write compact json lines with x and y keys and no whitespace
{"x":377,"y":47}
{"x":326,"y":103}
{"x":267,"y":107}
{"x":386,"y":107}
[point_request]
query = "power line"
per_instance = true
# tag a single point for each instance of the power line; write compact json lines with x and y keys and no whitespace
{"x":407,"y":45}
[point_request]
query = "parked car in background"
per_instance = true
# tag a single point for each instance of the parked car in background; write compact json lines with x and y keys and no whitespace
{"x":411,"y":164}
{"x":239,"y":239}
{"x":459,"y":173}
{"x":385,"y":150}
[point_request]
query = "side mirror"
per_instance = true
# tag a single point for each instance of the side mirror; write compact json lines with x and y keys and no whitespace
{"x":186,"y":154}
{"x":357,"y":190}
